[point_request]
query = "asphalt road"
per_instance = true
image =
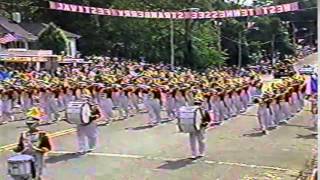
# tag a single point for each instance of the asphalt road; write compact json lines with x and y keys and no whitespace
{"x":130,"y":150}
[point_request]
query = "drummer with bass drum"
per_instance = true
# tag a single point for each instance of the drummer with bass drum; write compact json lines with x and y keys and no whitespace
{"x":32,"y":145}
{"x":194,"y":120}
{"x":85,"y":115}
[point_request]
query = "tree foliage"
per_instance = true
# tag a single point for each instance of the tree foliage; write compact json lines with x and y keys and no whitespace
{"x":196,"y":41}
{"x":54,"y":39}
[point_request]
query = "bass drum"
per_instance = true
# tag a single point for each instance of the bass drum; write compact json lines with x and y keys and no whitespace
{"x":189,"y":119}
{"x":78,"y":112}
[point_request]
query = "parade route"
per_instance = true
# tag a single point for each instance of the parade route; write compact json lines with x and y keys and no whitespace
{"x":132,"y":150}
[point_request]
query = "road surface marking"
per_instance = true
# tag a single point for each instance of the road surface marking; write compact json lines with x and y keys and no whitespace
{"x":51,"y":135}
{"x":289,"y":171}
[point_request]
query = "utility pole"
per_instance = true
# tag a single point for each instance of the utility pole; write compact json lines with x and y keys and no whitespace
{"x":294,"y":37}
{"x":172,"y":43}
{"x":272,"y":48}
{"x":188,"y":37}
{"x":239,"y":50}
{"x":219,"y":40}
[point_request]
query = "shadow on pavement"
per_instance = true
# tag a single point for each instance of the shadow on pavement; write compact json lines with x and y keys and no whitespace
{"x":311,"y":128}
{"x":254,"y":134}
{"x":295,"y":125}
{"x":166,"y":121}
{"x":173,"y":165}
{"x":46,"y":124}
{"x":309,"y":136}
{"x":64,"y":157}
{"x":140,"y":127}
{"x":249,"y":115}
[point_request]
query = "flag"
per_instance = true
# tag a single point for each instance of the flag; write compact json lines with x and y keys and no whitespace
{"x":314,"y":84}
{"x":8,"y":38}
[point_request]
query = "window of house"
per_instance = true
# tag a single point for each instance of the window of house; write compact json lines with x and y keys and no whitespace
{"x":16,"y":44}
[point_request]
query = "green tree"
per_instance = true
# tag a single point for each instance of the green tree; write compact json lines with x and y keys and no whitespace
{"x":54,"y":39}
{"x":195,"y":40}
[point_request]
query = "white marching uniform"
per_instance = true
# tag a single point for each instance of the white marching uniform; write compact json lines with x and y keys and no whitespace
{"x":156,"y":109}
{"x":105,"y":105}
{"x":49,"y":106}
{"x":7,"y":105}
{"x":123,"y":105}
{"x":263,"y":117}
{"x":147,"y":105}
{"x":235,"y":102}
{"x":26,"y":102}
{"x":87,"y":136}
{"x":134,"y":101}
{"x":275,"y":111}
{"x":295,"y":103}
{"x":198,"y":138}
{"x":68,"y":97}
{"x":170,"y":105}
{"x":179,"y":101}
{"x":285,"y":110}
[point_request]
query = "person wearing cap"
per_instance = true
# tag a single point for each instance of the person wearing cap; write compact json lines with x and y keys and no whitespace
{"x":134,"y":99}
{"x":314,"y":110}
{"x":169,"y":103}
{"x":25,"y":100}
{"x":179,"y":99}
{"x":105,"y":103}
{"x":197,"y":139}
{"x":6,"y":106}
{"x":87,"y":134}
{"x":155,"y":106}
{"x":124,"y":103}
{"x":214,"y":108}
{"x":147,"y":101}
{"x":263,"y":114}
{"x":36,"y":143}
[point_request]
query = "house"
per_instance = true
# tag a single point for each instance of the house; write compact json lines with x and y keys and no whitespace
{"x":38,"y":28}
{"x":29,"y":34}
{"x":7,"y":26}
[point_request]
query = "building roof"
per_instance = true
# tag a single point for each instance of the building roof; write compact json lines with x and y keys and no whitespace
{"x":8,"y":26}
{"x":38,"y":28}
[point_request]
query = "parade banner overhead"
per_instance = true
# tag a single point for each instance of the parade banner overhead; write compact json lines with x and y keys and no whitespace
{"x":176,"y":15}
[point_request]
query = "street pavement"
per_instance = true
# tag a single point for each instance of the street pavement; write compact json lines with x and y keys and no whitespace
{"x":131,"y":150}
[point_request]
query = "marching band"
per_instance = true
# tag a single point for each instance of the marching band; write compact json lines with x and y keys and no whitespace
{"x":102,"y":94}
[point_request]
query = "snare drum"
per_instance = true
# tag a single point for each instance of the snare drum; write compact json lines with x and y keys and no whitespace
{"x":78,"y":112}
{"x":20,"y":165}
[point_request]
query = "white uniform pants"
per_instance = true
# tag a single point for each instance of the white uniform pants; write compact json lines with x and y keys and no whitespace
{"x":197,"y":142}
{"x":87,"y":136}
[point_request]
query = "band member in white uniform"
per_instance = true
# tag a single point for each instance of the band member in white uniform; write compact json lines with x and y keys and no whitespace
{"x":36,"y":143}
{"x":155,"y":106}
{"x":170,"y":103}
{"x":105,"y":103}
{"x":124,"y":103}
{"x":7,"y":102}
{"x":263,"y":115}
{"x":25,"y":99}
{"x":88,"y":133}
{"x":198,"y":138}
{"x":134,"y":99}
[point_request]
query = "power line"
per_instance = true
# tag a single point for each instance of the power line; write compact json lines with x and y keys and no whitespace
{"x":262,"y":43}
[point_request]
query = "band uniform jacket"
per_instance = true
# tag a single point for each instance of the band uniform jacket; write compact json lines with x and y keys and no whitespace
{"x":95,"y":114}
{"x":44,"y":141}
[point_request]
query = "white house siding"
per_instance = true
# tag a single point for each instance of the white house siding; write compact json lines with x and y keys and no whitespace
{"x":72,"y":47}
